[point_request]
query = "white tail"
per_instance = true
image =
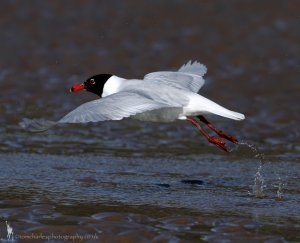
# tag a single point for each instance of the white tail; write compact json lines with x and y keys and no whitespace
{"x":204,"y":105}
{"x":229,"y":114}
{"x":216,"y":109}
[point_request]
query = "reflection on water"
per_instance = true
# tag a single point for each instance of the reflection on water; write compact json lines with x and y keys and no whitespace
{"x":135,"y":181}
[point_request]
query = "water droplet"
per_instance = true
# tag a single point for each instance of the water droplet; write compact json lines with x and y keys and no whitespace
{"x":258,"y":187}
{"x":280,"y":187}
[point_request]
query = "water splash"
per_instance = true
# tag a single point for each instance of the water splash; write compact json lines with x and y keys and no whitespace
{"x":259,"y":182}
{"x":257,"y":154}
{"x":258,"y":187}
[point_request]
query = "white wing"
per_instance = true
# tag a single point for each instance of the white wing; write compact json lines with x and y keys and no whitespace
{"x":188,"y":77}
{"x":113,"y":107}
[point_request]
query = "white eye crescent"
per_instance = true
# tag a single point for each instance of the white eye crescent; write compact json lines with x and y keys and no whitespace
{"x":92,"y":81}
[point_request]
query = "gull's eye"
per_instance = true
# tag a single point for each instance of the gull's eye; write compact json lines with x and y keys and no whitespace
{"x":92,"y":81}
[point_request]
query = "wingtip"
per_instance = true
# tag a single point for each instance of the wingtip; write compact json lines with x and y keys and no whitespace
{"x":194,"y":67}
{"x":36,"y":125}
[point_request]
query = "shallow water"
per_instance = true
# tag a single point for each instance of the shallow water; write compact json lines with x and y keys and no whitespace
{"x":131,"y":181}
{"x":147,"y":196}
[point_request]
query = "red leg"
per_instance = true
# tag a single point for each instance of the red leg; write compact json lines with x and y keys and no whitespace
{"x":217,"y":141}
{"x":219,"y":132}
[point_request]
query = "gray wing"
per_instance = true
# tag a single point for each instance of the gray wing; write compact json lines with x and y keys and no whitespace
{"x":188,"y":77}
{"x":113,"y":107}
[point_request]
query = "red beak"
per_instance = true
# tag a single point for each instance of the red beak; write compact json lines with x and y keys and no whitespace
{"x":77,"y":87}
